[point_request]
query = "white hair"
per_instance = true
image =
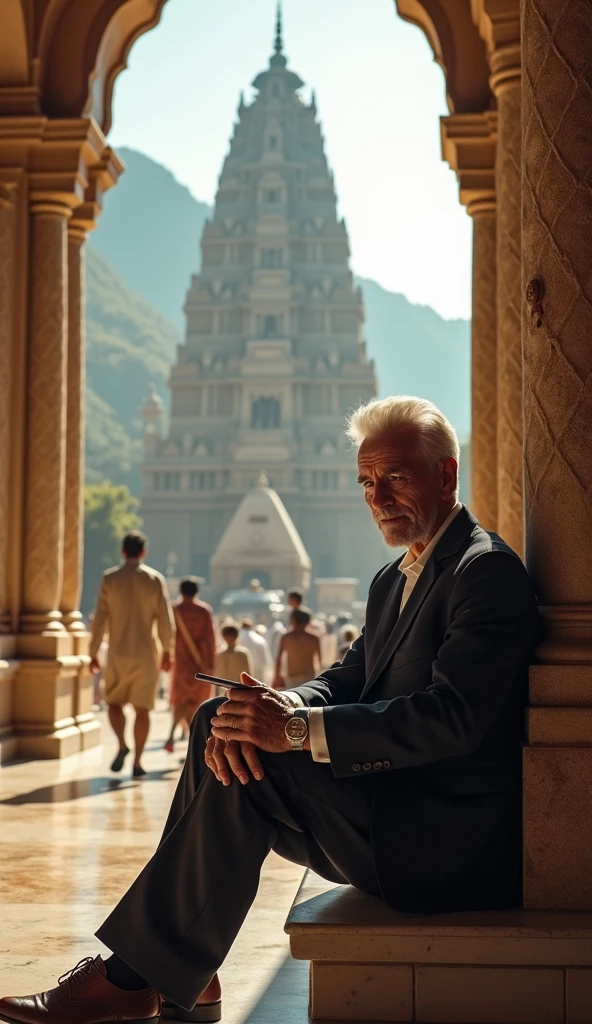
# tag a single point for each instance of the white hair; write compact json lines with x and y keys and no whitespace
{"x":437,"y":437}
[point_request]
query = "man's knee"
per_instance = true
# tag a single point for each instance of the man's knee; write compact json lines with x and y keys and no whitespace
{"x":202,"y":719}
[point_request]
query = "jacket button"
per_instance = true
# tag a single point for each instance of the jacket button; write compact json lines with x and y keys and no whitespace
{"x":355,"y":767}
{"x":366,"y":766}
{"x":378,"y":764}
{"x":386,"y":764}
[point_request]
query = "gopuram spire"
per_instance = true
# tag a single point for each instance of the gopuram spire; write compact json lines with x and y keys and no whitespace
{"x":279,"y":42}
{"x":278,"y":59}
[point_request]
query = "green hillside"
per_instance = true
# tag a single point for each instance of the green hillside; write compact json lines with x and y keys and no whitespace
{"x":129,"y":344}
{"x":149,"y":233}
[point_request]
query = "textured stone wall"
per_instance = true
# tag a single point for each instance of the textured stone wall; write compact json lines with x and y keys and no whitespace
{"x":509,"y":297}
{"x":557,"y":274}
{"x":557,"y":242}
{"x":483,"y":370}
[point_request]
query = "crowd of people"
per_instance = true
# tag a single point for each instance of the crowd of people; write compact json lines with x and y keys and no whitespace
{"x":142,"y":643}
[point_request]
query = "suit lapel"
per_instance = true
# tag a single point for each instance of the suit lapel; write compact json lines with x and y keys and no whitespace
{"x":448,"y":545}
{"x":405,"y":620}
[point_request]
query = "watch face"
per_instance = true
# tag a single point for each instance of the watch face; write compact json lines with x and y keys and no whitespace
{"x":296,"y":729}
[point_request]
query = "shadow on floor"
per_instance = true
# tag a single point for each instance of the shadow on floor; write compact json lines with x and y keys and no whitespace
{"x":77,"y":789}
{"x":73,"y":789}
{"x":285,"y":998}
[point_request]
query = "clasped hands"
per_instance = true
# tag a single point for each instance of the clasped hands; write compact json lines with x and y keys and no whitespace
{"x":247,"y":722}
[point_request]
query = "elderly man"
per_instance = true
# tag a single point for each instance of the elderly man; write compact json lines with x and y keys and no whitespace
{"x":397,"y":771}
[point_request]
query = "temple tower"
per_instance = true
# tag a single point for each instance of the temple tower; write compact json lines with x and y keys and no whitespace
{"x":274,"y":355}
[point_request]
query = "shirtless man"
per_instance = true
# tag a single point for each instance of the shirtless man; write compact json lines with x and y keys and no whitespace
{"x":303,"y":652}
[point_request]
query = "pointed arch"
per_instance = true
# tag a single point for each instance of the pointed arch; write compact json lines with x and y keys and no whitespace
{"x":82,"y":49}
{"x":457,"y":47}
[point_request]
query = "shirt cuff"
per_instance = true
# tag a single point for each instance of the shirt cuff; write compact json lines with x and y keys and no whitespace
{"x":318,"y":737}
{"x":294,"y":697}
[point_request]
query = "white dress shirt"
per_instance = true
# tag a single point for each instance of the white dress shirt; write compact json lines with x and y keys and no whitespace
{"x":412,"y":568}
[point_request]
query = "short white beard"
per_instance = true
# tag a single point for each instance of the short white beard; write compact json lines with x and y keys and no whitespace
{"x":421,"y":532}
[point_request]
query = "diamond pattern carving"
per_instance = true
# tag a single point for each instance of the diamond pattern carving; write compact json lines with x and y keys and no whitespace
{"x":557,"y":227}
{"x":46,"y":421}
{"x":6,"y":262}
{"x":73,"y":511}
{"x":509,"y":293}
{"x":483,"y":372}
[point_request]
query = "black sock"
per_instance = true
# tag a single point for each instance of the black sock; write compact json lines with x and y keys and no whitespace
{"x":119,"y":974}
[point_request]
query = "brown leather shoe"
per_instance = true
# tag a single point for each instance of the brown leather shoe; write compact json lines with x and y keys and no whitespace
{"x":83,"y":996}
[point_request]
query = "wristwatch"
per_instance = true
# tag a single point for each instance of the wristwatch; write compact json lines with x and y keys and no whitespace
{"x":296,"y":728}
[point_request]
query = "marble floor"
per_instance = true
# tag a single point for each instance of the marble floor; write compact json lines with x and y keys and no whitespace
{"x":72,"y":838}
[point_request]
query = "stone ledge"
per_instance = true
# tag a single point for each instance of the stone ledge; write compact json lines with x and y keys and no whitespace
{"x":370,"y":963}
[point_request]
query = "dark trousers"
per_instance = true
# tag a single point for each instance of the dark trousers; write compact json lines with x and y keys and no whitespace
{"x":178,"y":920}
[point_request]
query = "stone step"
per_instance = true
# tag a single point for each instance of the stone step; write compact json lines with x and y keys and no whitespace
{"x":370,"y":963}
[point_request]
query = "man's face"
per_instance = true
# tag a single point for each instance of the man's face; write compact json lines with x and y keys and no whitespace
{"x":405,"y":495}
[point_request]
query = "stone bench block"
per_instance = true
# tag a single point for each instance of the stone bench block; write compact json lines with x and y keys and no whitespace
{"x":578,"y":996}
{"x":488,"y":995}
{"x":370,"y":963}
{"x":376,"y":992}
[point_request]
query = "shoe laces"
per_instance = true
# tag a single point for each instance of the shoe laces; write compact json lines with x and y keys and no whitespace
{"x":77,"y":974}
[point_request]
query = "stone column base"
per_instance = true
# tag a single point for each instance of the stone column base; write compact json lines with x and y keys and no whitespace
{"x":8,"y":669}
{"x":8,"y":746}
{"x":369,"y":963}
{"x":51,"y":710}
{"x":558,"y":818}
{"x":61,"y":742}
{"x":89,"y":727}
{"x":558,"y":773}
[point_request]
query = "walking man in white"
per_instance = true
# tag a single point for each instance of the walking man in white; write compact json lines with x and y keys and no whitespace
{"x":258,"y":648}
{"x":133,"y":607}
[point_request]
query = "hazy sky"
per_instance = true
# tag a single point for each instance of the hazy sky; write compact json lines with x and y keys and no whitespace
{"x":379,"y":97}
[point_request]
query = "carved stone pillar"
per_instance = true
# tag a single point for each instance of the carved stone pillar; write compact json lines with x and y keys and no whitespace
{"x":484,"y":365}
{"x":43,"y":696}
{"x":88,"y":727}
{"x":505,"y":82}
{"x":74,"y":507}
{"x":6,"y":301}
{"x":557,"y":320}
{"x":68,"y":167}
{"x":46,"y":420}
{"x":468,"y":144}
{"x":8,"y":743}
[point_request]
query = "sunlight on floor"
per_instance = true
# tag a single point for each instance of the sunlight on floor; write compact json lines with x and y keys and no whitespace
{"x":73,"y":837}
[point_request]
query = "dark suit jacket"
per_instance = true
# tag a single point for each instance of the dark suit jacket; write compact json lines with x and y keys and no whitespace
{"x":429,"y":706}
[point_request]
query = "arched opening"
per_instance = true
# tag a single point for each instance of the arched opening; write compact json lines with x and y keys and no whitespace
{"x":394,"y":228}
{"x":266,"y":413}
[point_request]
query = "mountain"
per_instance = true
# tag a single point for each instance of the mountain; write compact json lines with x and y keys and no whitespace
{"x":129,"y":345}
{"x":418,"y":353}
{"x":149,"y":232}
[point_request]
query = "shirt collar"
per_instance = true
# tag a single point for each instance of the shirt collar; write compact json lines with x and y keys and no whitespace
{"x":411,"y":566}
